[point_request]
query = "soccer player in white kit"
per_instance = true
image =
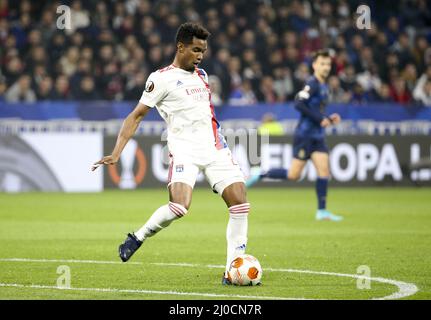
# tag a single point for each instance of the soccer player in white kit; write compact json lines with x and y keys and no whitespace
{"x":181,"y":94}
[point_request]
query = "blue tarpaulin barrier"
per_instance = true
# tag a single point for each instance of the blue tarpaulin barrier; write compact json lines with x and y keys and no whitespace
{"x":107,"y":110}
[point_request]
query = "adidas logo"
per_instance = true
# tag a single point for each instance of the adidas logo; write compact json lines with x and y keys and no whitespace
{"x":179,"y":83}
{"x":241,"y":247}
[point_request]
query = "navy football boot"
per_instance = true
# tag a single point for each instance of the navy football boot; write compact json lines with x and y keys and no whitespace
{"x":129,"y":247}
{"x":225,"y":280}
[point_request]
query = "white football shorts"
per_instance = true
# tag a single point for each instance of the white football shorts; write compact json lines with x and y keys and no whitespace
{"x":221,"y":171}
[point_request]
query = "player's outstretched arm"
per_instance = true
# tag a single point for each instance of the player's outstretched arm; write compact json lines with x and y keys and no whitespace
{"x":128,"y":129}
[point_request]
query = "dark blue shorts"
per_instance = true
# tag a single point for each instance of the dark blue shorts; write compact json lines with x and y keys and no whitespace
{"x":303,"y":147}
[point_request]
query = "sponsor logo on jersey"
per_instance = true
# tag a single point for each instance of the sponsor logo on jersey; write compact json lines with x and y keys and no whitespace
{"x":197,"y":90}
{"x":179,"y":168}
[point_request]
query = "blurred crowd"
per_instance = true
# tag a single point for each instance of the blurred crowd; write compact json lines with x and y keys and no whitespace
{"x":259,"y":50}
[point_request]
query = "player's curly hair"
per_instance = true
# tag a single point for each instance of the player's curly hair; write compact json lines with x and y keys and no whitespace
{"x":188,"y":30}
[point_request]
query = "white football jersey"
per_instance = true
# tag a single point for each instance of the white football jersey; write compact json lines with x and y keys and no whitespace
{"x":183,"y":100}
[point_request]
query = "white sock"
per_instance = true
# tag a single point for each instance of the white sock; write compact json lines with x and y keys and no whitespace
{"x":236,"y":232}
{"x":160,"y":219}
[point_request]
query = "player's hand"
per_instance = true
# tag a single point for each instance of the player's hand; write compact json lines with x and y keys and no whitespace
{"x":325,"y":123}
{"x":105,"y":160}
{"x":335,"y":118}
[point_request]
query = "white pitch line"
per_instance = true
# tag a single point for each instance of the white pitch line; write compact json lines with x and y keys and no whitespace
{"x":66,"y":261}
{"x":176,"y":293}
{"x":404,"y":289}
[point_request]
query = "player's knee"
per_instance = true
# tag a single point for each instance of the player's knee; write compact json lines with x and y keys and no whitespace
{"x":178,"y":209}
{"x":182,"y":200}
{"x":181,"y":194}
{"x":294,"y":176}
{"x":235,"y":194}
{"x":186,"y":203}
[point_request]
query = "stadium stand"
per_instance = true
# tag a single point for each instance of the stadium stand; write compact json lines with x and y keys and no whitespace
{"x":259,"y":50}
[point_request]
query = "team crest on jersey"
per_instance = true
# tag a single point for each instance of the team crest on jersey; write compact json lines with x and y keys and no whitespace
{"x":179,"y":168}
{"x":301,"y":154}
{"x":149,"y":86}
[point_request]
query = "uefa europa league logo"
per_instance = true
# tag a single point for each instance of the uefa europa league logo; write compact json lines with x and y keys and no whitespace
{"x":127,"y":161}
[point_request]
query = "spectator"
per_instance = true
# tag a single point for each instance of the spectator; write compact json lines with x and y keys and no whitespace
{"x":283,"y":84}
{"x":61,"y":89}
{"x":384,"y":94}
{"x":69,"y":62}
{"x":270,"y":126}
{"x":243,"y":95}
{"x":392,"y":30}
{"x":44,"y":89}
{"x":424,"y":96}
{"x":80,"y":18}
{"x":57,"y":46}
{"x":83,"y":69}
{"x":135,"y":86}
{"x":359,"y":95}
{"x":234,"y":67}
{"x":266,"y":91}
{"x":250,"y":40}
{"x":48,"y":25}
{"x":13,"y":70}
{"x":402,"y":49}
{"x":369,"y":79}
{"x":418,"y":53}
{"x":3,"y":87}
{"x":399,"y":91}
{"x":38,"y":56}
{"x":86,"y":89}
{"x":419,"y":89}
{"x":302,"y":73}
{"x":348,"y":78}
{"x":216,"y":88}
{"x":409,"y":74}
{"x":336,"y":93}
{"x":4,"y":10}
{"x":21,"y":90}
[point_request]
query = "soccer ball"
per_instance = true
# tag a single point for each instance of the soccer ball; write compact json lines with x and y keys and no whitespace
{"x":245,"y":270}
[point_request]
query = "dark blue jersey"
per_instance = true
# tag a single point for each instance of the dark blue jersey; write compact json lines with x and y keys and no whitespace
{"x":311,"y":102}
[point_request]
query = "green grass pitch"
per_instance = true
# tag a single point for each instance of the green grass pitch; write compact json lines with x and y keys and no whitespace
{"x":386,"y":229}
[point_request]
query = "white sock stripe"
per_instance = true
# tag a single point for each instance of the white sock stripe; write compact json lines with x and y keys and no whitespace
{"x":240,"y":206}
{"x":236,"y":214}
{"x":175,"y":211}
{"x":239,"y":212}
{"x":240,"y":209}
{"x":179,"y":207}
